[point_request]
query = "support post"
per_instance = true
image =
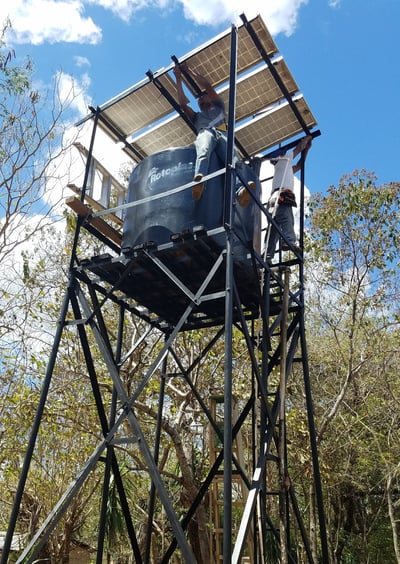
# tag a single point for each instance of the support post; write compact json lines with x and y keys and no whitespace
{"x":283,"y":509}
{"x":229,"y":186}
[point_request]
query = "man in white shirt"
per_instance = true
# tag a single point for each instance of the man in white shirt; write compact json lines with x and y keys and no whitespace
{"x":282,"y":197}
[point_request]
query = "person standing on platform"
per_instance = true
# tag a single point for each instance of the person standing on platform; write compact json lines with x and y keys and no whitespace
{"x":283,"y":199}
{"x":211,"y":125}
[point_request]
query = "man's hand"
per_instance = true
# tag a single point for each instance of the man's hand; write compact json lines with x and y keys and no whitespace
{"x":308,"y":142}
{"x":177,"y":71}
{"x":179,"y":67}
{"x":305,"y":143}
{"x":183,"y":100}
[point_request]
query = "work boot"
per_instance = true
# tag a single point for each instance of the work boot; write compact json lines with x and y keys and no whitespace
{"x":197,"y":190}
{"x":244,"y":195}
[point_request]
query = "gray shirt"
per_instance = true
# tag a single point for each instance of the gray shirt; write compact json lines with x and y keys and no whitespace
{"x":213,"y":117}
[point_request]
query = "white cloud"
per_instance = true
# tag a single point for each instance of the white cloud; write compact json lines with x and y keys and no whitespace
{"x":81,"y":61}
{"x":53,"y":21}
{"x":280,"y":15}
{"x":72,"y":92}
{"x":125,"y":8}
{"x":40,"y":21}
{"x":72,"y":96}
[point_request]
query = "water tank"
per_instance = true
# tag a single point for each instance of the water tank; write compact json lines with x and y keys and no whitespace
{"x":157,"y":218}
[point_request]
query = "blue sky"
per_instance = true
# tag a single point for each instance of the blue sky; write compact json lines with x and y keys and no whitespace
{"x":342,"y":54}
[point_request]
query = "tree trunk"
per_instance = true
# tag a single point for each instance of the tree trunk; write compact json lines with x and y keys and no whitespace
{"x":393,"y":520}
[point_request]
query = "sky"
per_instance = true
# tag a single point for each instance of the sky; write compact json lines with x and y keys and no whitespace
{"x":342,"y":54}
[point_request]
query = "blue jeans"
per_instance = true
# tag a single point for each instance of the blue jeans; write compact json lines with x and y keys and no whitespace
{"x":207,"y":141}
{"x":285,"y":219}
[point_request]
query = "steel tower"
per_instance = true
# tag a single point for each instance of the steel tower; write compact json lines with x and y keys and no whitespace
{"x":211,"y":280}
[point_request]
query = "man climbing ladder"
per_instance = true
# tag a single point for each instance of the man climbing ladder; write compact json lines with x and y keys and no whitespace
{"x":283,"y":199}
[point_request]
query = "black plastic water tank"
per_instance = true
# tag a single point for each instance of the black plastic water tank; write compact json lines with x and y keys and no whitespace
{"x":157,"y":219}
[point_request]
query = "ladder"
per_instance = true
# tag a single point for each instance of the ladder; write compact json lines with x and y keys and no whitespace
{"x":239,"y":488}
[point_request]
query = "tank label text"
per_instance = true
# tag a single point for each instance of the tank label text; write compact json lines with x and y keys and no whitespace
{"x":156,"y":173}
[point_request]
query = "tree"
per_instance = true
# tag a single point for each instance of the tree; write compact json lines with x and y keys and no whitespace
{"x":353,"y":289}
{"x":32,"y":124}
{"x":32,"y":127}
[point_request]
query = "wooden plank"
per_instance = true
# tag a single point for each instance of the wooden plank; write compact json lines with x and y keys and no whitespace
{"x":96,"y":205}
{"x":83,"y":210}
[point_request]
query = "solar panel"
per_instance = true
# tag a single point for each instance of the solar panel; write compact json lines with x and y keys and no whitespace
{"x":274,"y":126}
{"x":173,"y":132}
{"x":213,"y":59}
{"x":141,"y":107}
{"x":258,"y":90}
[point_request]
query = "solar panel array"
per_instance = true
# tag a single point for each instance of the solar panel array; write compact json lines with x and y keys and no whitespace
{"x":268,"y":109}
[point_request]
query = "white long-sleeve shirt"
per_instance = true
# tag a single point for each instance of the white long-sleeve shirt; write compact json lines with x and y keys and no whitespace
{"x":283,"y":175}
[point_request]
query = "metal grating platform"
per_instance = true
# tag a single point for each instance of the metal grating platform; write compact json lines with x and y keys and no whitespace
{"x":145,"y":277}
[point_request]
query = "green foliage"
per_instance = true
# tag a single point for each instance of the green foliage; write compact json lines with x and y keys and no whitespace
{"x":31,"y":130}
{"x":352,"y":318}
{"x":18,"y":100}
{"x":356,"y":221}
